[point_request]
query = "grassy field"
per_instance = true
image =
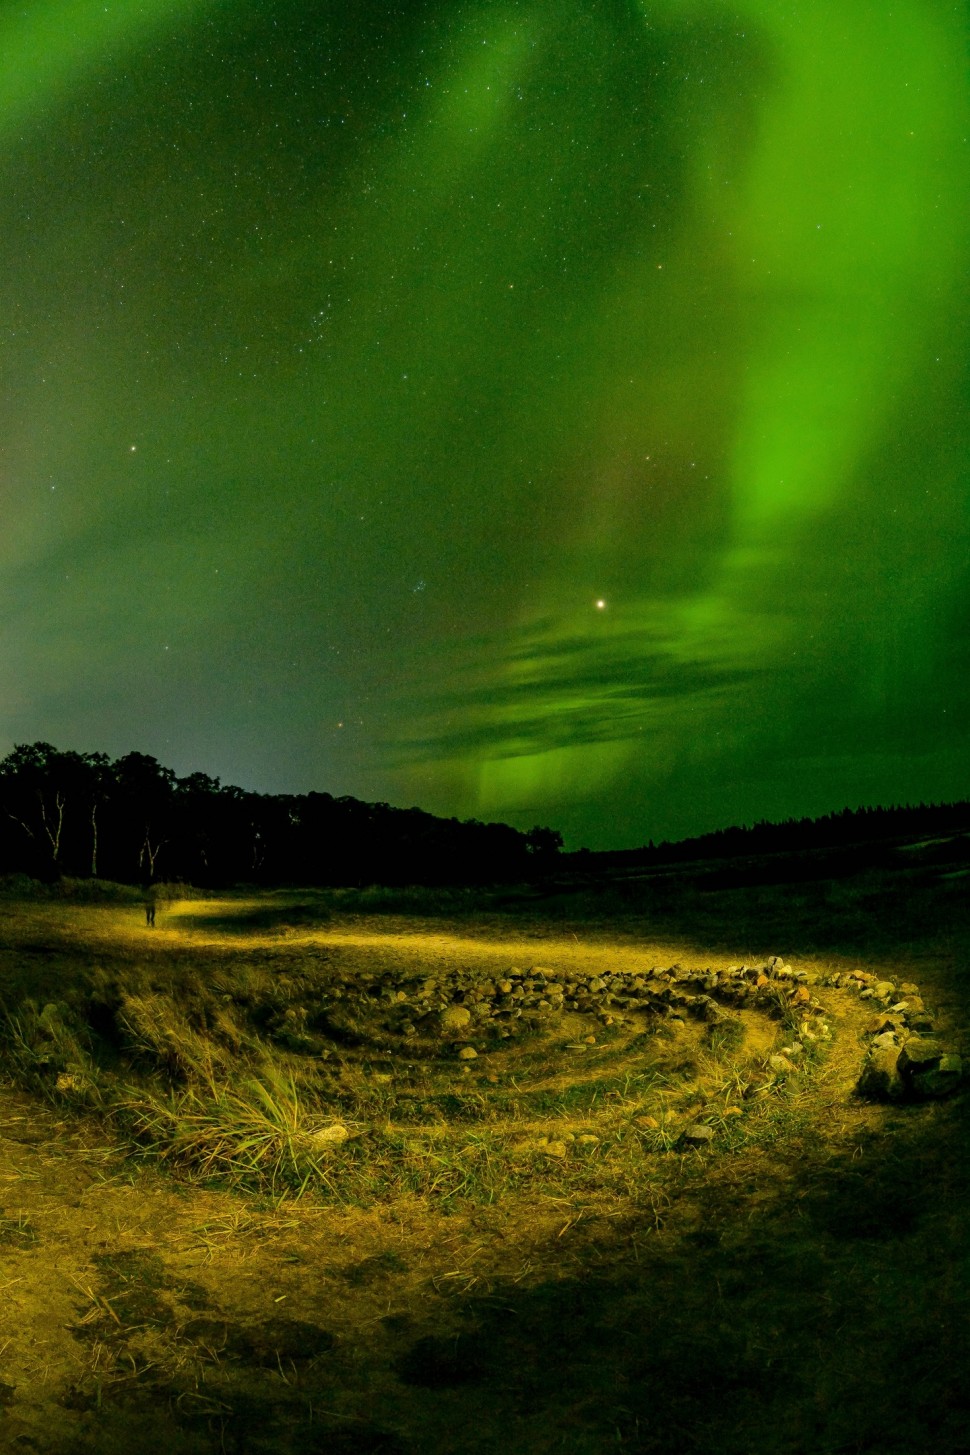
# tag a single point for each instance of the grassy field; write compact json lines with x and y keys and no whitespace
{"x":397,"y":1172}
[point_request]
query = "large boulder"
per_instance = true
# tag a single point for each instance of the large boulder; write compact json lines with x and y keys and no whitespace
{"x":928,"y":1069}
{"x":880,"y":1080}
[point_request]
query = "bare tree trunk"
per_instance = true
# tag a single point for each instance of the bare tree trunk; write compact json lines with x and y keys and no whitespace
{"x":53,"y":832}
{"x":94,"y":840}
{"x":149,"y":853}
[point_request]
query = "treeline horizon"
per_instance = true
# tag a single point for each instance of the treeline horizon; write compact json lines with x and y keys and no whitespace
{"x":845,"y":826}
{"x":133,"y":821}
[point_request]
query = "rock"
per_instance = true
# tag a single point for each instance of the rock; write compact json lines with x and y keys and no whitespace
{"x":886,"y":1041}
{"x":879,"y":1079}
{"x":553,"y":1149}
{"x":929,"y":1070}
{"x":878,"y":1024}
{"x":328,"y":1136}
{"x":696,"y":1134}
{"x":453,"y":1020}
{"x":467,"y":1053}
{"x":587,"y":1139}
{"x":780,"y":1063}
{"x":596,"y":986}
{"x":883,"y":989}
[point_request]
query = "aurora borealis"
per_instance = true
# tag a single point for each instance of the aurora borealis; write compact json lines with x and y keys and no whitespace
{"x":544,"y":411}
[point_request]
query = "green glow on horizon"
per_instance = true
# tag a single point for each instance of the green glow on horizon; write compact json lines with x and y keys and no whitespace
{"x":848,"y":234}
{"x":434,"y":328}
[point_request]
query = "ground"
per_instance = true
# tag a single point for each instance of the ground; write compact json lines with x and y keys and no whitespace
{"x":529,"y":1249}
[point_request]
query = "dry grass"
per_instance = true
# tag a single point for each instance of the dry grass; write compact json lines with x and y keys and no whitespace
{"x":521,"y":1251}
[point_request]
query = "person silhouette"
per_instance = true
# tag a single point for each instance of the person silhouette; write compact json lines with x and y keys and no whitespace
{"x":150,"y":911}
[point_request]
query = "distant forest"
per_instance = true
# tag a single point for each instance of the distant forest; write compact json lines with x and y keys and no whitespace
{"x":134,"y":821}
{"x":832,"y":830}
{"x":131,"y":820}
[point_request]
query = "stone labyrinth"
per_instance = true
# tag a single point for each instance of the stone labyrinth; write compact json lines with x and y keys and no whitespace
{"x":463,"y":1016}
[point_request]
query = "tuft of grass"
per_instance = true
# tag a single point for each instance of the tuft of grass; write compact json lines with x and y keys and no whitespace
{"x":254,"y":1135}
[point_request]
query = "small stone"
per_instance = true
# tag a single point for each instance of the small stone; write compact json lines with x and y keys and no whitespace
{"x":554,"y":1149}
{"x":505,"y":986}
{"x":328,"y":1136}
{"x":801,"y":996}
{"x":866,"y":994}
{"x":590,"y":1040}
{"x":596,"y":985}
{"x":454,"y":1019}
{"x":883,"y":989}
{"x":697,"y":1134}
{"x":779,"y":1062}
{"x":885,"y":1042}
{"x":878,"y":1024}
{"x":467,"y":1053}
{"x":908,"y":988}
{"x":587,"y":1139}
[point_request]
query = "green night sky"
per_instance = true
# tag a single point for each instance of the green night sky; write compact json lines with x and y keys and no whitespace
{"x":542,"y":410}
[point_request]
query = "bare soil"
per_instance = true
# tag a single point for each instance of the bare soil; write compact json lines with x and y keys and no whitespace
{"x":800,"y":1283}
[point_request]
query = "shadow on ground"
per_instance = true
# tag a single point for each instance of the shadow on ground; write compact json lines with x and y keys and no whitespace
{"x":833,"y":1317}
